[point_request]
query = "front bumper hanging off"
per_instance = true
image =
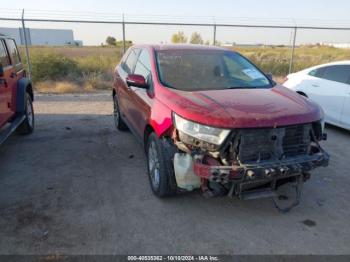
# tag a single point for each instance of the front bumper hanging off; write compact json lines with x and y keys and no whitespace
{"x":261,"y":160}
{"x":266,"y":170}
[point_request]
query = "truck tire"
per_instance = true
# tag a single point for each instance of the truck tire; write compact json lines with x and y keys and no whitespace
{"x":27,"y":125}
{"x":160,"y":168}
{"x":118,"y":121}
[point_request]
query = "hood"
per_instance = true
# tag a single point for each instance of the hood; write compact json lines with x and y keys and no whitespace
{"x":244,"y":108}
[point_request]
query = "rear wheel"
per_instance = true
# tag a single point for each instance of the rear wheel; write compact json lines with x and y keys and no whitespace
{"x":118,"y":121}
{"x":27,"y":125}
{"x":160,"y":170}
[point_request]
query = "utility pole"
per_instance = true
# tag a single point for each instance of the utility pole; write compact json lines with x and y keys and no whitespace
{"x":26,"y":45}
{"x":214,"y":42}
{"x":124,"y":46}
{"x":293,"y":49}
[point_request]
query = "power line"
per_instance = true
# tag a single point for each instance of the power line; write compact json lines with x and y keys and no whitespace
{"x":162,"y":19}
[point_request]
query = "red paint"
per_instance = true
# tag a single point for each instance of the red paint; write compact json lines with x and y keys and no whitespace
{"x":206,"y":170}
{"x":136,"y":80}
{"x":8,"y":84}
{"x":208,"y":166}
{"x":230,"y":108}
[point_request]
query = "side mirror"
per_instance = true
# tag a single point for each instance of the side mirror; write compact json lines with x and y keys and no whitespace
{"x":137,"y":81}
{"x":1,"y":70}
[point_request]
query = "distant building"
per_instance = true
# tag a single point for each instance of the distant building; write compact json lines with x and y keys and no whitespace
{"x":234,"y":44}
{"x":35,"y":36}
{"x":337,"y":45}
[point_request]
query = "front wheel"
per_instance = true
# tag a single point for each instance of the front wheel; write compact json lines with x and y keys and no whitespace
{"x":160,"y":169}
{"x":27,"y":125}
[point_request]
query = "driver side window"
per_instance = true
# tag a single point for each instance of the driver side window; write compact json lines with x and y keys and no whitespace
{"x":143,"y":66}
{"x":130,"y":61}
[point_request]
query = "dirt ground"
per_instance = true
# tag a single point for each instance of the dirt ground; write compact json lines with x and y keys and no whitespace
{"x":78,"y":186}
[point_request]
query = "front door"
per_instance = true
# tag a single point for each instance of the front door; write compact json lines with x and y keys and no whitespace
{"x":140,"y":101}
{"x":345,"y":117}
{"x":124,"y":95}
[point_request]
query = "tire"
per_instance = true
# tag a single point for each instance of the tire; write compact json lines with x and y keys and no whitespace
{"x":27,"y":125}
{"x":160,"y":168}
{"x":118,"y":121}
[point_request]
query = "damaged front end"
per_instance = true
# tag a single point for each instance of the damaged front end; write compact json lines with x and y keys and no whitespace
{"x":248,"y":162}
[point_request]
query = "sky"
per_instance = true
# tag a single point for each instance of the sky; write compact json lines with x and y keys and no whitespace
{"x":312,"y":12}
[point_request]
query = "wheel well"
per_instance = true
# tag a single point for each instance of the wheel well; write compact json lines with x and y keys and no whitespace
{"x":301,"y":93}
{"x":29,"y":90}
{"x":148,"y":130}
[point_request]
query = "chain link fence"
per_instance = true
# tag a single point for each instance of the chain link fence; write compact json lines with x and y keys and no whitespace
{"x":214,"y":28}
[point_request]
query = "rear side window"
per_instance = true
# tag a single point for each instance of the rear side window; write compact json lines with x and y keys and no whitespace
{"x":4,"y":59}
{"x":12,"y":48}
{"x":337,"y":73}
{"x":129,"y":63}
{"x":317,"y":72}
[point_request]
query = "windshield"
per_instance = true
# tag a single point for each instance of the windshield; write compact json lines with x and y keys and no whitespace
{"x":195,"y":70}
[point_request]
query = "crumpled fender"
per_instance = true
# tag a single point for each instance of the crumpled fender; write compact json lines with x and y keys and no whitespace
{"x":161,"y":119}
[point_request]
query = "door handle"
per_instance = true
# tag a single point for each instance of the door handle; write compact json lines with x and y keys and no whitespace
{"x":315,"y":85}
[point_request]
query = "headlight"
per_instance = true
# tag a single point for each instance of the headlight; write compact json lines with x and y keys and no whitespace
{"x":200,"y":135}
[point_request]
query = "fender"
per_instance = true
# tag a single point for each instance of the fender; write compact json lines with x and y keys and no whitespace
{"x":23,"y":85}
{"x":161,"y":119}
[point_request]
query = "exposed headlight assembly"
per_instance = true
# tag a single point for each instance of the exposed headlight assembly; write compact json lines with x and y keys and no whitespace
{"x":199,"y":135}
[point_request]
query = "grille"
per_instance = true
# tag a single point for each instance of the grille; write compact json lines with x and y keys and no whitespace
{"x":273,"y":143}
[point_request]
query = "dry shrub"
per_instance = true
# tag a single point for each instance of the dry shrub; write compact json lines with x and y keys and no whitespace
{"x":79,"y":69}
{"x":58,"y":87}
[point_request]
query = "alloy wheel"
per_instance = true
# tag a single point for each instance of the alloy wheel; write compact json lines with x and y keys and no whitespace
{"x":153,"y":165}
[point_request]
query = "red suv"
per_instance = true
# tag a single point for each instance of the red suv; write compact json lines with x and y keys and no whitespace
{"x":16,"y":93}
{"x":208,"y":118}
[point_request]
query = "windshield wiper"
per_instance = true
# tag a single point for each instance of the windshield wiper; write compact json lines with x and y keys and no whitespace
{"x":240,"y":87}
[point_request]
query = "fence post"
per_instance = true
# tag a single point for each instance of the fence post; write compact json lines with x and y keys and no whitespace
{"x":124,"y":46}
{"x":293,"y":49}
{"x":26,"y":45}
{"x":214,"y":42}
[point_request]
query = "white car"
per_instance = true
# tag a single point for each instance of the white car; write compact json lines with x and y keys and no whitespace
{"x":329,"y":86}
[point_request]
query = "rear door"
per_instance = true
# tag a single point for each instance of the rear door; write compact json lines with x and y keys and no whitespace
{"x":5,"y":84}
{"x":17,"y":71}
{"x":329,"y":89}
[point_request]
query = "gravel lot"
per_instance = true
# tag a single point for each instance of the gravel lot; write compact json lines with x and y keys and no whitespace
{"x":78,"y":186}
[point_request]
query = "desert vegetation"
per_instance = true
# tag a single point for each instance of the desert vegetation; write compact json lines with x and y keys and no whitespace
{"x":73,"y":69}
{"x":81,"y":69}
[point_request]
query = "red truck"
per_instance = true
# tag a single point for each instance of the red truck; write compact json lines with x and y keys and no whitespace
{"x":16,"y":92}
{"x":209,"y":119}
